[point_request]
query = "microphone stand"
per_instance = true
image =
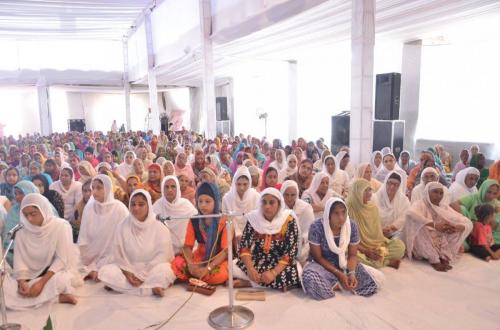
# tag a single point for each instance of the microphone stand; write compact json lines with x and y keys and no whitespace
{"x":3,"y":272}
{"x":230,"y":316}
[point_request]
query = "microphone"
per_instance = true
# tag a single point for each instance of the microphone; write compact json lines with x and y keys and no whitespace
{"x":162,"y":219}
{"x":12,"y":233}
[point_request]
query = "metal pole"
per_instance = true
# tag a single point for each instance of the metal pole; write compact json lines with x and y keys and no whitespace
{"x":5,"y":325}
{"x":229,"y":226}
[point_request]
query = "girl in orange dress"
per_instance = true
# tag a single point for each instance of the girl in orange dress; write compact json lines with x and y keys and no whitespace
{"x":209,"y":261}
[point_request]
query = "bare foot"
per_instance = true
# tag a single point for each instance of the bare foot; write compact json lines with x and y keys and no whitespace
{"x":92,"y":276}
{"x":337,"y":287}
{"x":394,"y":263}
{"x":67,"y":299}
{"x":462,"y":249}
{"x":487,"y":259}
{"x":446,"y":263}
{"x":159,"y":292}
{"x":439,"y":267}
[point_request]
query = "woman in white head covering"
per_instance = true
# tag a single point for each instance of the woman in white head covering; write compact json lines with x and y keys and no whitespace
{"x":338,"y":179}
{"x":334,"y":265}
{"x":127,"y":168}
{"x":241,"y":198}
{"x":343,"y":161}
{"x":269,"y":245}
{"x":70,"y":191}
{"x":280,"y":162}
{"x":392,"y":204}
{"x":100,"y":217}
{"x":45,"y":258}
{"x":465,"y":183}
{"x":389,"y":164}
{"x":304,"y":213}
{"x":290,"y":169}
{"x":429,"y":174}
{"x":376,"y":161}
{"x":142,"y":252}
{"x":171,"y":204}
{"x":318,"y":193}
{"x":433,"y":230}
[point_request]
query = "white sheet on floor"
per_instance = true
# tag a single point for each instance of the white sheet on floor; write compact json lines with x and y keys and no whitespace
{"x":414,"y":297}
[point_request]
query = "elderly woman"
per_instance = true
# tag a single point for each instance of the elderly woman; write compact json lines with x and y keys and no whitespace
{"x":208,"y":261}
{"x":171,"y":204}
{"x":304,"y":213}
{"x":365,"y":171}
{"x":429,"y":174}
{"x":290,"y":168}
{"x":375,"y":249}
{"x":142,"y":252}
{"x":87,"y":171}
{"x":269,"y":245}
{"x":392,"y":204}
{"x":126,"y":168}
{"x":318,"y":193}
{"x":241,"y":198}
{"x":153,"y":185}
{"x":139,"y":169}
{"x":70,"y":190}
{"x":433,"y":230}
{"x":464,"y":184}
{"x":405,"y":161}
{"x":45,"y":259}
{"x":100,"y":217}
{"x":338,"y":179}
{"x":182,"y":167}
{"x":334,"y":241}
{"x":487,"y":194}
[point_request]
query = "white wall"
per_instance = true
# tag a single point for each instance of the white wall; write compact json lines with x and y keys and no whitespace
{"x":19,"y":110}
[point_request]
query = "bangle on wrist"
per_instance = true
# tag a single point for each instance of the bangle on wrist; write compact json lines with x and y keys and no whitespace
{"x":351,"y":272}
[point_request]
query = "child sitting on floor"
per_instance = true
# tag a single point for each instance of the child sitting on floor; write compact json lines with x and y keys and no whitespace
{"x":482,"y":243}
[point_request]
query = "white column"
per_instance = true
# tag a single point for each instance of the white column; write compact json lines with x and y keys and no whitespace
{"x":154,"y":121}
{"x":292,"y":101}
{"x":44,"y":107}
{"x":126,"y":85}
{"x":410,"y":90}
{"x":362,"y":48}
{"x":208,"y":107}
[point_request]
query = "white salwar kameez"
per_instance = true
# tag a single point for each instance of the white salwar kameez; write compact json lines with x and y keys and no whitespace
{"x":143,"y":248}
{"x":39,"y":249}
{"x":305,"y":217}
{"x":180,"y":208}
{"x":232,"y":201}
{"x":311,"y":195}
{"x":99,"y":222}
{"x":70,"y":196}
{"x":459,"y":189}
{"x":338,"y":180}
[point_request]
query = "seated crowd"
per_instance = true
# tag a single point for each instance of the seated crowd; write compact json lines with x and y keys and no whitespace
{"x":303,"y":215}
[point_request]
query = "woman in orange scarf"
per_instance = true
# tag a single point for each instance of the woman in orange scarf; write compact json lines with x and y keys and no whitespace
{"x":153,"y":185}
{"x":495,"y":171}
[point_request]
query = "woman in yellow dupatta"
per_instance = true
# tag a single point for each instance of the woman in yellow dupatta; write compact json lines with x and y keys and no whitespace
{"x":374,"y":249}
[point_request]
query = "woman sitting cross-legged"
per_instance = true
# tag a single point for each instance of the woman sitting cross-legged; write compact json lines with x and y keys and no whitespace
{"x":209,"y":261}
{"x":142,"y":252}
{"x":45,"y":259}
{"x":269,"y":245}
{"x":433,"y":230}
{"x":334,"y":264}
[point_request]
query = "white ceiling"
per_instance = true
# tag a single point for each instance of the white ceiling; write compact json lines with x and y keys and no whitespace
{"x":86,"y":19}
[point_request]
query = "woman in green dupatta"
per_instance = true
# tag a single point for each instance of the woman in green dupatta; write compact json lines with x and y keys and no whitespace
{"x":488,"y":193}
{"x":374,"y":249}
{"x":478,"y":161}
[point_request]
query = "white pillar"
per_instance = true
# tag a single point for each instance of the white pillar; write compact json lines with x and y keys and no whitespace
{"x":154,"y":120}
{"x":362,"y":49}
{"x":292,"y":101}
{"x":44,"y":107}
{"x":208,"y":69}
{"x":126,"y":85}
{"x":410,"y":90}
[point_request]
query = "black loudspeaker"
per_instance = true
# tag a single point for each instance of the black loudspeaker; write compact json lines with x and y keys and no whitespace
{"x":221,"y":108}
{"x":340,"y":130}
{"x":76,"y":125}
{"x":164,"y":123}
{"x":389,"y":133}
{"x":387,"y":96}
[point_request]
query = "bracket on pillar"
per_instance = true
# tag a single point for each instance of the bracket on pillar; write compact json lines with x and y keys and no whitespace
{"x":44,"y":106}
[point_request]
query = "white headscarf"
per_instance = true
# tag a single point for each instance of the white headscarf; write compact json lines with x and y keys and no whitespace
{"x":418,"y":192}
{"x":345,"y":233}
{"x":232,"y":201}
{"x":38,"y":247}
{"x":339,"y":180}
{"x":375,"y":168}
{"x":312,"y":190}
{"x":459,"y":189}
{"x":384,"y":171}
{"x":179,"y":208}
{"x":141,"y":245}
{"x":303,"y":210}
{"x":260,"y":224}
{"x":288,"y":171}
{"x":99,"y":221}
{"x":280,"y":165}
{"x":424,"y":212}
{"x":71,"y":196}
{"x":125,"y":169}
{"x":392,"y":213}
